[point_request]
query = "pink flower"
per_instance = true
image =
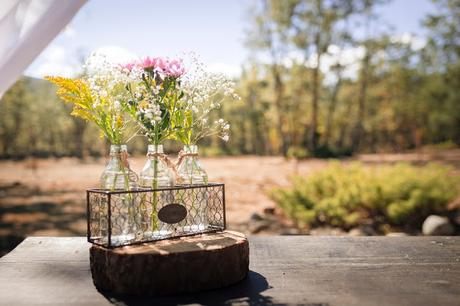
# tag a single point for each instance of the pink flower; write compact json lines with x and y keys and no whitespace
{"x":128,"y":66}
{"x":153,"y":62}
{"x":147,"y":62}
{"x":175,"y":68}
{"x":161,"y":65}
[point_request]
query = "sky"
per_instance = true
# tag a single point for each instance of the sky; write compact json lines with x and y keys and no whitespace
{"x":213,"y":29}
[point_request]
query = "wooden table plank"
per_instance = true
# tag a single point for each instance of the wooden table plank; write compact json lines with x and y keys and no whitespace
{"x":303,"y":270}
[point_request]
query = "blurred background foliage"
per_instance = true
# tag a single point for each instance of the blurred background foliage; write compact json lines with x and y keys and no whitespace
{"x":399,"y":96}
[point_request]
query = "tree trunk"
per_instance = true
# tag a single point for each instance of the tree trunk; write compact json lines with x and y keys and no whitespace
{"x":79,"y":130}
{"x":359,"y":128}
{"x":279,"y":93}
{"x":346,"y":130}
{"x":255,"y":115}
{"x":331,"y":109}
{"x":173,"y":266}
{"x":315,"y":98}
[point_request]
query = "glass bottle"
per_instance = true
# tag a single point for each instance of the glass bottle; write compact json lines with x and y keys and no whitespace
{"x":117,"y":173}
{"x":156,"y":172}
{"x":191,"y":172}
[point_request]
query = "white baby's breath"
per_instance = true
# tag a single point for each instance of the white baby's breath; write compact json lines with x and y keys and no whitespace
{"x":204,"y":92}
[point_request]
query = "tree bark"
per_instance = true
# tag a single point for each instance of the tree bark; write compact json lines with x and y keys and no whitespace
{"x":315,"y":98}
{"x":279,"y":93}
{"x":332,"y":107}
{"x":359,"y":128}
{"x":79,"y":127}
{"x":187,"y":264}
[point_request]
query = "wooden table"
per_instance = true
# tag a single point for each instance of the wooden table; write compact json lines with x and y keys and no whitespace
{"x":301,"y":270}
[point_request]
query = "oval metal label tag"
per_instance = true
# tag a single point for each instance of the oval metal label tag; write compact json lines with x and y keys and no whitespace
{"x":172,"y":213}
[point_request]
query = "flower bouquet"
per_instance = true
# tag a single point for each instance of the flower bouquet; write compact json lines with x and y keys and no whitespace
{"x":160,"y":99}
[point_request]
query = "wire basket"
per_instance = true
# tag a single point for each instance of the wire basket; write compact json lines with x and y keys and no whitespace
{"x":119,"y":218}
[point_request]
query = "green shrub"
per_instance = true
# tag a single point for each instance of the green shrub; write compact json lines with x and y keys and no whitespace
{"x":347,"y":196}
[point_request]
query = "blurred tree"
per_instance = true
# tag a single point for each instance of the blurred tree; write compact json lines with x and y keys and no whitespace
{"x":13,"y":111}
{"x":269,"y":35}
{"x":314,"y":25}
{"x":322,"y":75}
{"x":442,"y":54}
{"x":371,"y":46}
{"x":251,"y":92}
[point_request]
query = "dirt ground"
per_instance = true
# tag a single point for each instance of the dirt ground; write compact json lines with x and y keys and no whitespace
{"x":46,"y":197}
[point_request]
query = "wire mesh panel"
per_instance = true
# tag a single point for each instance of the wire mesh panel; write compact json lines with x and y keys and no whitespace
{"x":118,"y":218}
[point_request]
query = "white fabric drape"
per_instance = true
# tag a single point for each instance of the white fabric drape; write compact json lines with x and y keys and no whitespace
{"x":26,"y":28}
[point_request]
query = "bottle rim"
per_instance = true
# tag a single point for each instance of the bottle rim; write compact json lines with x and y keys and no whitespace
{"x":118,"y":148}
{"x":190,"y":148}
{"x":152,"y":148}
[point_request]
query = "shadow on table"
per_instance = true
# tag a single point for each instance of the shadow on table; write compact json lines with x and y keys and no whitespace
{"x":26,"y":210}
{"x":248,"y":291}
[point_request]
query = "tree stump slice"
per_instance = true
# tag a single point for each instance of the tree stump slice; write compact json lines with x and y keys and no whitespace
{"x":187,"y":264}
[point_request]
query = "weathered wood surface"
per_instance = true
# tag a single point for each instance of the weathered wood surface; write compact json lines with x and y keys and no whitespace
{"x":187,"y":264}
{"x":284,"y":270}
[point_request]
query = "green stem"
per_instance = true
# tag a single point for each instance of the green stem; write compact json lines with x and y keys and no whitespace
{"x":128,"y":197}
{"x":125,"y":176}
{"x":191,"y":182}
{"x":154,"y":218}
{"x":191,"y":171}
{"x":114,"y":182}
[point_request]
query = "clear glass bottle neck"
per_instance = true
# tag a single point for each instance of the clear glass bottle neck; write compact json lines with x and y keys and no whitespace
{"x":117,"y":173}
{"x":118,"y":149}
{"x":155,"y":149}
{"x":118,"y":156}
{"x":190,"y":149}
